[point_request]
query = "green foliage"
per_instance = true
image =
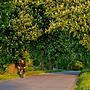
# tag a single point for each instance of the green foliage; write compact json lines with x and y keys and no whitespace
{"x":31,"y":20}
{"x":5,"y":53}
{"x":29,"y":68}
{"x":84,"y":81}
{"x":18,"y":27}
{"x":80,"y":64}
{"x":59,"y":50}
{"x":72,"y":15}
{"x":54,"y":33}
{"x":5,"y":9}
{"x":77,"y":65}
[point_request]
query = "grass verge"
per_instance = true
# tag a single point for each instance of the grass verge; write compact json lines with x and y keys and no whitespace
{"x":7,"y":76}
{"x":84,"y":81}
{"x":30,"y":73}
{"x":51,"y":71}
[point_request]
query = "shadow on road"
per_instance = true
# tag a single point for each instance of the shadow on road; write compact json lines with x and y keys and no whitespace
{"x":67,"y":72}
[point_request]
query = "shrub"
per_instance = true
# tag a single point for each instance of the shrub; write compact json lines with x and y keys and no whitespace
{"x":84,"y":81}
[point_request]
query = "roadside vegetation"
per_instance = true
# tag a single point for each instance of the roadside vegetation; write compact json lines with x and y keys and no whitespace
{"x":84,"y":81}
{"x":7,"y":76}
{"x":46,"y":33}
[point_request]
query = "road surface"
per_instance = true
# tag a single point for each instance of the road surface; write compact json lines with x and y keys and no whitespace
{"x":51,"y":81}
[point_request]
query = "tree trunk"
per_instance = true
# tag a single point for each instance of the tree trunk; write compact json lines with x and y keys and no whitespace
{"x":50,"y":64}
{"x":42,"y":59}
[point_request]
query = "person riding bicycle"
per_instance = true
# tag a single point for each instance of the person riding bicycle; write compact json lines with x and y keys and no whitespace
{"x":21,"y":66}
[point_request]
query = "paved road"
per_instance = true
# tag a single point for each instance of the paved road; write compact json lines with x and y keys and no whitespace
{"x":53,"y":81}
{"x":67,"y":72}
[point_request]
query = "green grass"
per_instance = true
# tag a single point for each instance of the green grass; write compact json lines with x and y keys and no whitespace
{"x":7,"y":76}
{"x":51,"y":71}
{"x":30,"y":73}
{"x":84,"y":81}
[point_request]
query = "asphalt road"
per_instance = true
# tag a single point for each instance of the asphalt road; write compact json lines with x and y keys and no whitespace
{"x":50,"y":81}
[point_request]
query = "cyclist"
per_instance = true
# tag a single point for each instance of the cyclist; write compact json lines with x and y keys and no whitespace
{"x":21,"y":67}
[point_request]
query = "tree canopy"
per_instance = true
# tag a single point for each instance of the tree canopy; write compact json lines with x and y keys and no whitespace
{"x":57,"y":28}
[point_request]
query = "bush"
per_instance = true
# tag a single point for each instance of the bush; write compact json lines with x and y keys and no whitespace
{"x":84,"y":81}
{"x":29,"y":68}
{"x":77,"y":65}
